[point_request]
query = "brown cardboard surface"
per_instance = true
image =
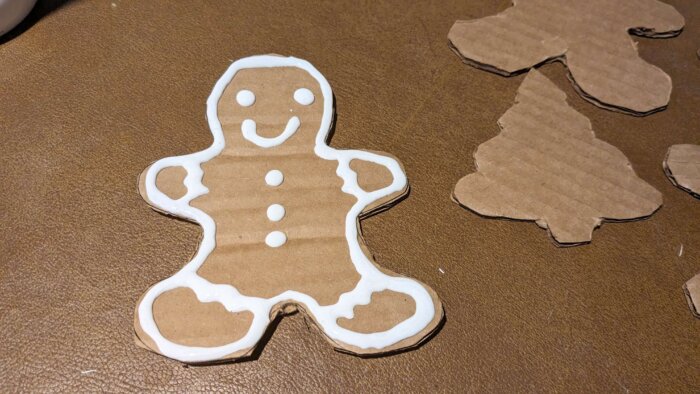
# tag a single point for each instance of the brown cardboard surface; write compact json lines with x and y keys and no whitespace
{"x":692,"y":291}
{"x":315,"y":259}
{"x":546,"y":165}
{"x":589,"y":37}
{"x":682,"y":167}
{"x":92,"y":93}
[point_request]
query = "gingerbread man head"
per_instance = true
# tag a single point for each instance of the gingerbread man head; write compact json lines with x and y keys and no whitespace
{"x":295,"y":100}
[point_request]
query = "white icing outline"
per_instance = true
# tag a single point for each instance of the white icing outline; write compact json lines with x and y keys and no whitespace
{"x":371,"y":278}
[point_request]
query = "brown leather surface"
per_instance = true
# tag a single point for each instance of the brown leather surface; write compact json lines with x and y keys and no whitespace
{"x":93,"y":92}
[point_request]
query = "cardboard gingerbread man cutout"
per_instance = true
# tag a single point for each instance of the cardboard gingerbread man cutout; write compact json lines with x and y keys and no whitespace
{"x":590,"y":37}
{"x":280,"y":212}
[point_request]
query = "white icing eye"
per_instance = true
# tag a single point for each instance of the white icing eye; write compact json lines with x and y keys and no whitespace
{"x":304,"y":96}
{"x":245,"y":98}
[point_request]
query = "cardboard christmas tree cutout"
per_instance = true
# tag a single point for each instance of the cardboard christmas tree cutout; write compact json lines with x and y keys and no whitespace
{"x":590,"y":37}
{"x":546,"y":165}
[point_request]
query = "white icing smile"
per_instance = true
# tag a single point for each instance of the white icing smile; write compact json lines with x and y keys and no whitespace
{"x":250,"y":132}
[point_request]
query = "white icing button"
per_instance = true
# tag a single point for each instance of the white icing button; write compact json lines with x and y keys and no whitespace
{"x":275,"y":212}
{"x":304,"y":96}
{"x":274,"y":178}
{"x":245,"y":98}
{"x":275,"y":239}
{"x":250,"y":132}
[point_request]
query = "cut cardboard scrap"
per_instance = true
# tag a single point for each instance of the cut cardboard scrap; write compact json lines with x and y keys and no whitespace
{"x":546,"y":165}
{"x":590,"y":37}
{"x":682,"y":167}
{"x":692,"y":293}
{"x":280,"y":212}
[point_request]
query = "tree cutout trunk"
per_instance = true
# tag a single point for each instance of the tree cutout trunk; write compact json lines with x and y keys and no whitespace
{"x":546,"y":165}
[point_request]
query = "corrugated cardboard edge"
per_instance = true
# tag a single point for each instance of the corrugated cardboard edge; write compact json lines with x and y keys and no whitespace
{"x":544,"y":226}
{"x":672,"y":178}
{"x":539,"y":224}
{"x":637,"y":31}
{"x":691,"y":289}
{"x":569,"y":76}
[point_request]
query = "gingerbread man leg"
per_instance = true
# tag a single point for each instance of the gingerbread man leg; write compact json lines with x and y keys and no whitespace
{"x":653,"y":18}
{"x":391,"y":303}
{"x":210,"y":323}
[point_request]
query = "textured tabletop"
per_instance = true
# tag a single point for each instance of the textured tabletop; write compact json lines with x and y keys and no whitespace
{"x":92,"y":92}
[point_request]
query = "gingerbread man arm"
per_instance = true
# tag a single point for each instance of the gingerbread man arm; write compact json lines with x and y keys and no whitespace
{"x":517,"y":50}
{"x":380,"y":174}
{"x":169,"y":184}
{"x":652,"y":18}
{"x":628,"y":91}
{"x":170,"y":181}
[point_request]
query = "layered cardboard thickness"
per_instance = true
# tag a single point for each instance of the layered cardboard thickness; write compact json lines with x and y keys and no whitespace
{"x":692,"y":293}
{"x":314,"y":261}
{"x":546,"y":165}
{"x":682,"y":167}
{"x":590,"y":37}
